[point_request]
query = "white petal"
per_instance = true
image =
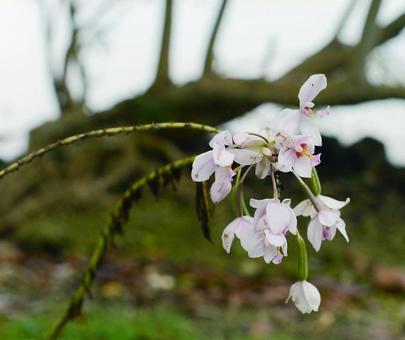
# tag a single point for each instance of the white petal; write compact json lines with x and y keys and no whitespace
{"x":254,"y":203}
{"x":203,"y":167}
{"x":222,"y":138}
{"x":292,"y":225}
{"x":341,"y":226}
{"x":311,"y":88}
{"x":263,"y":168}
{"x":228,"y":234}
{"x":246,"y":233}
{"x":257,"y":248}
{"x":222,"y":185}
{"x":297,"y":295}
{"x":308,"y":127}
{"x":286,"y":159}
{"x":222,"y":156}
{"x":312,"y":295}
{"x":270,"y":253}
{"x":303,"y":166}
{"x":314,"y":233}
{"x":328,"y":217}
{"x":304,"y":208}
{"x":288,"y":121}
{"x":276,"y":240}
{"x":332,"y":203}
{"x":278,"y":216}
{"x":246,"y":157}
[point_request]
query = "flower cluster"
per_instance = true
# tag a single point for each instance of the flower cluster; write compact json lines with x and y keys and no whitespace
{"x":288,"y":147}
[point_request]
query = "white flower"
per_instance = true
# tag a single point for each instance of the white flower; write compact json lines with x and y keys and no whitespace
{"x":324,"y":222}
{"x":264,"y":234}
{"x":219,"y":161}
{"x":297,"y":153}
{"x":252,"y":149}
{"x":305,"y":296}
{"x":302,"y":120}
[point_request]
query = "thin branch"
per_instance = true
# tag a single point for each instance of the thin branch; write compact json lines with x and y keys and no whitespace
{"x":345,"y":17}
{"x":391,"y":30}
{"x":101,"y":133}
{"x":119,"y":217}
{"x":368,"y":40}
{"x":209,"y":57}
{"x":162,"y":74}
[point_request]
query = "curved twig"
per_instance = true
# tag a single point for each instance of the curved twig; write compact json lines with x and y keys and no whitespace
{"x":118,"y":218}
{"x":101,"y":133}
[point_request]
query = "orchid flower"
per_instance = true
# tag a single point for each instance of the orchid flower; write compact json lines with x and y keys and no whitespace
{"x":252,"y":149}
{"x":305,"y":296}
{"x":219,"y":161}
{"x":302,"y":120}
{"x":297,"y":153}
{"x":325,"y":219}
{"x":264,"y":234}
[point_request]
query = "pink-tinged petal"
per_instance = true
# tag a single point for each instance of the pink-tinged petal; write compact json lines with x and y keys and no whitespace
{"x":276,"y":240}
{"x":229,"y":232}
{"x":288,"y":121}
{"x":324,"y":112}
{"x":308,"y":127}
{"x":332,"y":203}
{"x":328,"y":233}
{"x":222,"y":185}
{"x":222,"y":138}
{"x":263,"y":168}
{"x":328,"y":217}
{"x":246,"y":157}
{"x":222,"y":157}
{"x":314,"y":233}
{"x":278,"y":216}
{"x":316,"y":160}
{"x":270,"y":253}
{"x":304,"y":208}
{"x":203,"y":167}
{"x":286,"y":159}
{"x":311,"y":88}
{"x":303,"y":167}
{"x":341,"y":226}
{"x":278,"y":258}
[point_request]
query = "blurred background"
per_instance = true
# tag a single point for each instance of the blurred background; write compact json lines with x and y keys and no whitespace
{"x":70,"y":66}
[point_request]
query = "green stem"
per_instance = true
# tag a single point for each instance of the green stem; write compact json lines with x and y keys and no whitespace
{"x":315,"y":183}
{"x":302,"y":258}
{"x":308,"y":191}
{"x":101,"y":133}
{"x":118,"y":218}
{"x":275,"y":190}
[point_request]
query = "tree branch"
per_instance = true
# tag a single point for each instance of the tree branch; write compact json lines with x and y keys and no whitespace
{"x":367,"y":42}
{"x":209,"y":57}
{"x":162,"y":74}
{"x":102,"y":133}
{"x":391,"y":30}
{"x":345,"y":17}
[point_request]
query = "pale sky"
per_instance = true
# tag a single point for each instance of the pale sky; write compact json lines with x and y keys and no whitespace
{"x":122,"y":62}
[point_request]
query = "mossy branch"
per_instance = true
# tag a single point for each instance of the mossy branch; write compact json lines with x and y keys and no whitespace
{"x":118,"y":218}
{"x":102,"y":133}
